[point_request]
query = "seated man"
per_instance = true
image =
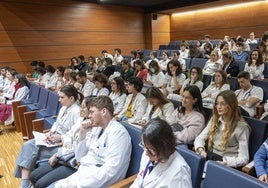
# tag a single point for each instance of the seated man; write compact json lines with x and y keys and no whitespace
{"x":240,"y":55}
{"x":249,"y":96}
{"x":108,"y":156}
{"x":261,"y":162}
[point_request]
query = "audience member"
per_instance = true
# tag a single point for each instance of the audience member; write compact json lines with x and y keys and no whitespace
{"x":174,"y":78}
{"x":240,"y":54}
{"x":127,"y":70}
{"x":158,"y":106}
{"x":189,"y":119}
{"x":85,"y":86}
{"x":100,"y":81}
{"x":184,"y":52}
{"x":249,"y":96}
{"x":230,"y":66}
{"x":30,"y":153}
{"x":155,"y":76}
{"x":161,"y":165}
{"x":261,"y":162}
{"x":225,"y":138}
{"x":251,"y":39}
{"x":212,"y":64}
{"x":153,"y":57}
{"x":108,"y":149}
{"x":141,"y":70}
{"x":219,"y":84}
{"x":117,"y":57}
{"x":163,"y":63}
{"x":255,"y":65}
{"x":118,"y":94}
{"x":135,"y":104}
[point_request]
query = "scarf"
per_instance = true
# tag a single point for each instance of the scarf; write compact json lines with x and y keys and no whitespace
{"x":16,"y":86}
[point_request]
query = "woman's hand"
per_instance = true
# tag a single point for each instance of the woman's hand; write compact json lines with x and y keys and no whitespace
{"x":264,"y":178}
{"x":222,"y":162}
{"x":52,"y":160}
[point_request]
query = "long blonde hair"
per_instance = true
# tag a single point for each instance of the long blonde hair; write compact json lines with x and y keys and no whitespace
{"x":230,"y":99}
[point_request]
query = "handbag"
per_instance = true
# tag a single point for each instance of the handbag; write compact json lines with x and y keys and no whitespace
{"x":176,"y":127}
{"x":67,"y":160}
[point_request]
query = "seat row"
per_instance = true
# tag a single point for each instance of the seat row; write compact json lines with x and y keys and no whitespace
{"x":42,"y":103}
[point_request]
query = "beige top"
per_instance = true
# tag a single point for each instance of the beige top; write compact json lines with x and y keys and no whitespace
{"x":236,"y":153}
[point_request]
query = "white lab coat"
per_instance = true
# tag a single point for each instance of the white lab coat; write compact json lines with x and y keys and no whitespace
{"x":118,"y":101}
{"x":21,"y":93}
{"x":175,"y":172}
{"x":163,"y":113}
{"x":88,"y":88}
{"x":107,"y":159}
{"x":138,"y":107}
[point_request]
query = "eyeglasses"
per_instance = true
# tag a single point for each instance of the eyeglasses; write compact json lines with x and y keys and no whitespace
{"x":150,"y":151}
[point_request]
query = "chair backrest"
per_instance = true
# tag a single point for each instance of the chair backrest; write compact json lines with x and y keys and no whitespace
{"x":253,"y":46}
{"x":206,"y":80}
{"x":259,"y":132}
{"x":137,"y":151}
{"x":234,"y":85}
{"x":51,"y":108}
{"x":33,"y":94}
{"x":241,"y":65}
{"x":42,"y":100}
{"x":265,"y":72}
{"x":221,"y":176}
{"x":188,"y":63}
{"x":263,"y":85}
{"x":195,"y":162}
{"x":198,"y":62}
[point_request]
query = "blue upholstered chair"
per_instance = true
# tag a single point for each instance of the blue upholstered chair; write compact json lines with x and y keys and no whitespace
{"x":221,"y":176}
{"x":196,"y":163}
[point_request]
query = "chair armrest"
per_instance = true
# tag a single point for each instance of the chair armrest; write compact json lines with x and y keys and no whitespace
{"x":259,"y":111}
{"x":38,"y":125}
{"x":249,"y":169}
{"x":125,"y":183}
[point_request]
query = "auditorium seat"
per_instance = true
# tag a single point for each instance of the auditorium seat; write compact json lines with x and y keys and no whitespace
{"x":198,"y":62}
{"x":234,"y":85}
{"x":241,"y":65}
{"x":41,"y":104}
{"x":265,"y":72}
{"x":206,"y":81}
{"x":33,"y":94}
{"x":221,"y":176}
{"x":196,"y":163}
{"x":259,"y":132}
{"x":264,"y":86}
{"x":188,"y":63}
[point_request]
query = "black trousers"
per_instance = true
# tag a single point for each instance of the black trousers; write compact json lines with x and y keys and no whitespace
{"x":45,"y":175}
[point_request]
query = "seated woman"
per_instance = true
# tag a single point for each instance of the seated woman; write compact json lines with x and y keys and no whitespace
{"x":127,"y":70}
{"x":158,"y":106}
{"x":50,"y":172}
{"x":100,"y":80}
{"x":155,"y":76}
{"x":212,"y":64}
{"x":163,"y":63}
{"x":255,"y":65}
{"x":118,"y":94}
{"x":174,"y":78}
{"x":30,"y":152}
{"x":226,"y":135}
{"x":195,"y":77}
{"x":189,"y":119}
{"x":8,"y":90}
{"x":141,"y":70}
{"x":135,"y":104}
{"x":219,"y":84}
{"x":21,"y":91}
{"x":261,"y":162}
{"x":161,"y":165}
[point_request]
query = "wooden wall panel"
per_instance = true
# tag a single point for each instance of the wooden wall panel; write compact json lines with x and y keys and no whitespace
{"x":160,"y":30}
{"x":232,"y":21}
{"x":55,"y":30}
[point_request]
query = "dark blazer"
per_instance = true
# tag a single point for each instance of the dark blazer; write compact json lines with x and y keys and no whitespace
{"x":232,"y":69}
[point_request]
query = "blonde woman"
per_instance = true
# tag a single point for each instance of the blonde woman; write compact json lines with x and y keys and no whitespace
{"x":227,"y":133}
